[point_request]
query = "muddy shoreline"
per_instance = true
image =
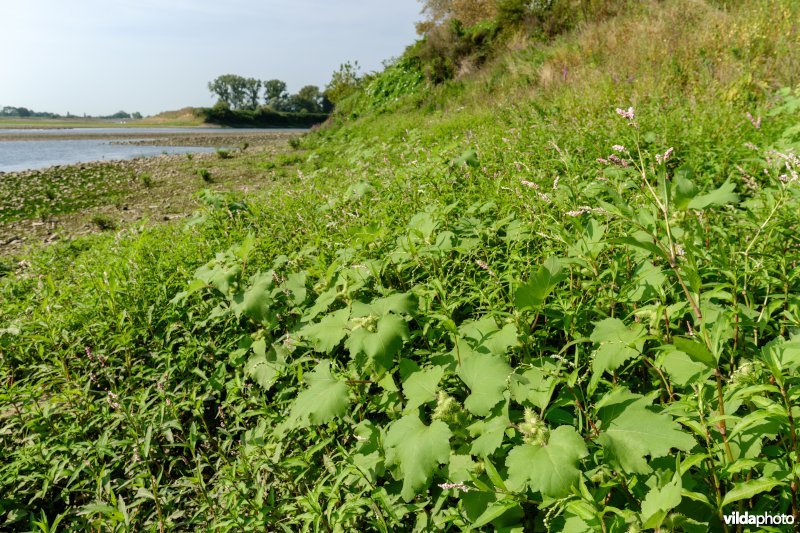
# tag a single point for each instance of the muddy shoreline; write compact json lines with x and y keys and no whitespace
{"x":40,"y":207}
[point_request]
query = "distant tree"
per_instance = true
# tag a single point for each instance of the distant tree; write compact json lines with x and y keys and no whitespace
{"x":236,"y":91}
{"x":343,"y":82}
{"x":136,"y":115}
{"x":252,"y":90}
{"x":308,"y":99}
{"x":275,"y":95}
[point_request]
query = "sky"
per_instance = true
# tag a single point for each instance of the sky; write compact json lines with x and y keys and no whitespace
{"x":102,"y":56}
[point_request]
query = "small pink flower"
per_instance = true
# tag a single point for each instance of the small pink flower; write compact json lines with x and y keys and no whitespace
{"x":618,"y":161}
{"x":602,"y":161}
{"x":755,"y":122}
{"x":454,"y":486}
{"x":665,"y":157}
{"x":530,"y":184}
{"x":626,"y":113}
{"x":619,"y":148}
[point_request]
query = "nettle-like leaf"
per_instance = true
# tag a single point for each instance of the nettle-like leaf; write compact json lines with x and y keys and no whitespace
{"x":222,"y":273}
{"x":420,"y":387}
{"x":631,"y":432}
{"x":326,"y":334}
{"x":255,"y":301}
{"x":490,"y":431}
{"x":550,"y":469}
{"x":683,"y":370}
{"x":486,"y":376}
{"x":617,"y":343}
{"x":533,"y":293}
{"x":381,"y":345}
{"x":486,"y":337}
{"x":399,"y":303}
{"x":416,"y":450}
{"x":659,"y":501}
{"x":534,"y":386}
{"x":325,"y":398}
{"x":264,"y":365}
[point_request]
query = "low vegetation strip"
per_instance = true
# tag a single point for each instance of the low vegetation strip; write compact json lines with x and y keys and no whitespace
{"x":526,"y":300}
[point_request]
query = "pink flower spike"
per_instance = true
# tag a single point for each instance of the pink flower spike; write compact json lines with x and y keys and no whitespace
{"x":619,"y":148}
{"x":629,"y":113}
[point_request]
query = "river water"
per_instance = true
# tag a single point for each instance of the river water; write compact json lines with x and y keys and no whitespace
{"x":50,"y":148}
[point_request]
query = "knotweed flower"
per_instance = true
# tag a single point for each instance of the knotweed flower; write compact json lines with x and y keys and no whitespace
{"x":555,"y":182}
{"x":756,"y":122}
{"x":626,"y":113}
{"x":580,"y":211}
{"x":619,"y":148}
{"x":618,"y":161}
{"x":602,"y":161}
{"x":665,"y":157}
{"x":530,"y":184}
{"x":454,"y":486}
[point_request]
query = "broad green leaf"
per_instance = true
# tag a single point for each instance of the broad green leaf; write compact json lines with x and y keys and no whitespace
{"x":400,"y":303}
{"x":635,"y":432}
{"x":381,"y":345}
{"x":467,"y":158}
{"x":255,"y":301}
{"x":368,"y":457}
{"x":684,"y":191}
{"x":722,"y":196}
{"x":748,"y":489}
{"x":486,"y":376}
{"x":325,"y":398}
{"x":296,"y":285}
{"x":696,"y":351}
{"x":617,"y":344}
{"x":494,"y":511}
{"x":533,"y":293}
{"x":416,"y":450}
{"x":781,"y":356}
{"x":420,"y":387}
{"x":264,"y":366}
{"x":489,"y":432}
{"x":220,"y":274}
{"x":648,"y":280}
{"x":534,"y":386}
{"x":550,"y":469}
{"x":683,"y":370}
{"x":659,"y":501}
{"x":326,"y":334}
{"x":487,"y":337}
{"x":323,"y":301}
{"x":460,"y":468}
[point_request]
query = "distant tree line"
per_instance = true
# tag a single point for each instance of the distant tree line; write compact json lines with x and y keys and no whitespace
{"x":23,"y":112}
{"x":249,"y":94}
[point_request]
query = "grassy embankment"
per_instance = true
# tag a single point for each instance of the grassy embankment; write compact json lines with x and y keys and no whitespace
{"x":449,"y":293}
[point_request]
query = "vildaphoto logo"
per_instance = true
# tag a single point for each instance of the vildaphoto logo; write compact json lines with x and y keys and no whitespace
{"x":746,"y":519}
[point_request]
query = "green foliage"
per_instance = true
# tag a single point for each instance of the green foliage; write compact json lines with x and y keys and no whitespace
{"x":398,"y":338}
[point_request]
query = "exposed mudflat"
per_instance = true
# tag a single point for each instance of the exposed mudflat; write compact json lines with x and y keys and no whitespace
{"x":43,"y":206}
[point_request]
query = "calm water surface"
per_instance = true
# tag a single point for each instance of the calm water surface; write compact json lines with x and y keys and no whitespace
{"x":29,"y":155}
{"x":19,"y":154}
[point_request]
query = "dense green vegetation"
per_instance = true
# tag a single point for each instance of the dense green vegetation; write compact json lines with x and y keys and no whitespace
{"x":259,"y":118}
{"x":558,"y":293}
{"x":244,"y":94}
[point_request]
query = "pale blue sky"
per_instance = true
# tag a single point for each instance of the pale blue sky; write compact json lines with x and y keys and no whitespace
{"x":101,"y":56}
